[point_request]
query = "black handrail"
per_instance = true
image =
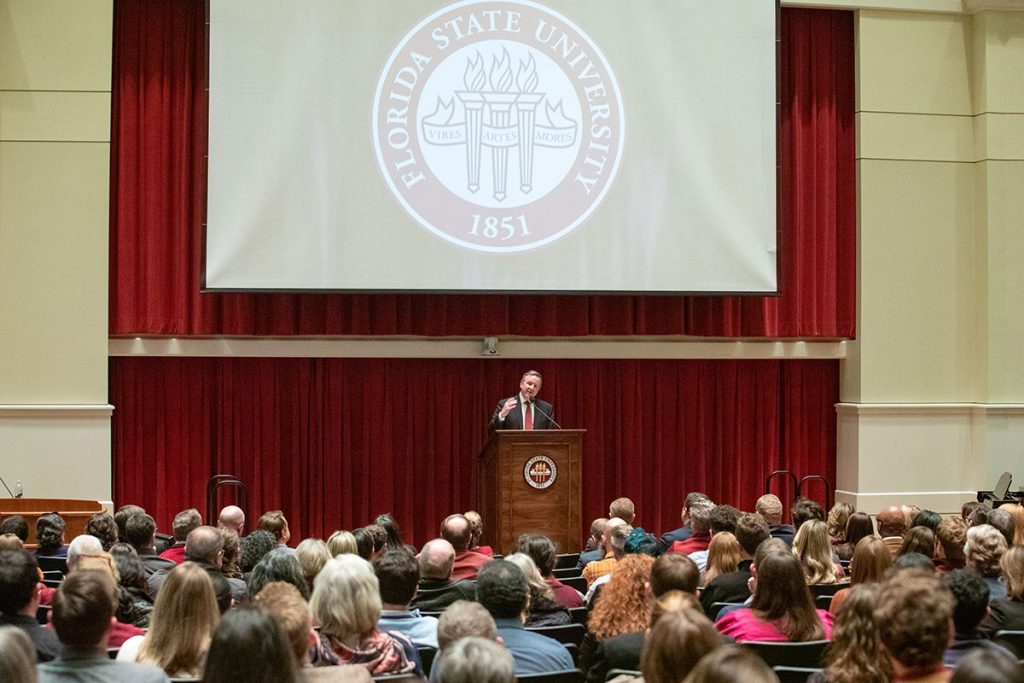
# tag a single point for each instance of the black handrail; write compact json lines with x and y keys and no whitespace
{"x":212,"y":485}
{"x":829,"y":491}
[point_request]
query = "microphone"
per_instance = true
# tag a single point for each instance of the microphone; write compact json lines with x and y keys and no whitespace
{"x":540,"y":410}
{"x":9,"y":488}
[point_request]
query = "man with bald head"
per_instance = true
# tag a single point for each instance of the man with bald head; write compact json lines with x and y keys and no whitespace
{"x":456,"y":530}
{"x":436,"y":589}
{"x":232,"y":517}
{"x":892,"y":525}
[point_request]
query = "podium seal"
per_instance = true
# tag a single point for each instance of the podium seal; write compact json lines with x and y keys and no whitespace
{"x":540,"y":472}
{"x":498,"y":126}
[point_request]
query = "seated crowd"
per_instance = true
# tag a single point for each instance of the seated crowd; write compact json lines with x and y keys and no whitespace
{"x":910,"y":596}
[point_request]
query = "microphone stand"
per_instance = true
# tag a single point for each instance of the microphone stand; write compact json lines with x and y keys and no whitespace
{"x":539,"y":410}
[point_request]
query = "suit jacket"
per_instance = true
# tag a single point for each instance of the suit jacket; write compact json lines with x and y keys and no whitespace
{"x":543,"y":415}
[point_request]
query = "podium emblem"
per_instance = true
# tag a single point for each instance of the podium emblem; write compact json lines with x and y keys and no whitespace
{"x":498,"y":126}
{"x":540,"y":472}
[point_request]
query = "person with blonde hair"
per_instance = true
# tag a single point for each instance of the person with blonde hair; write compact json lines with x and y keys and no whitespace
{"x":476,"y":530}
{"x":312,"y":554}
{"x":814,"y":550}
{"x":342,"y":542}
{"x":838,"y":517}
{"x":984,"y":549}
{"x":853,"y":655}
{"x":182,"y":623}
{"x":871,"y":560}
{"x":17,"y":656}
{"x":477,"y":660}
{"x":230,"y":565}
{"x":543,"y":609}
{"x":1016,"y":512}
{"x":724,"y":556}
{"x":347,"y":604}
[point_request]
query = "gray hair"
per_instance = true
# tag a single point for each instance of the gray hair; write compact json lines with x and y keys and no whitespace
{"x":477,"y":660}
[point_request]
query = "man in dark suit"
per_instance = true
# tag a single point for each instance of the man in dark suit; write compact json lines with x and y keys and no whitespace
{"x":524,"y":410}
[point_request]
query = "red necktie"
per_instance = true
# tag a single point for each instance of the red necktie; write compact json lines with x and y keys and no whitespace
{"x":529,"y":418}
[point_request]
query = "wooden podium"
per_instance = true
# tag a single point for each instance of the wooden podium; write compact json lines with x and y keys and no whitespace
{"x":530,"y":482}
{"x":76,"y":513}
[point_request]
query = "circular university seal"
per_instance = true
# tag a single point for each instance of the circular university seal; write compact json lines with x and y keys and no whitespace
{"x":498,"y":126}
{"x":540,"y":471}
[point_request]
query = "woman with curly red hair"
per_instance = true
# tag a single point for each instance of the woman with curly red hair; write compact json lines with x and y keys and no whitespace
{"x":623,"y":605}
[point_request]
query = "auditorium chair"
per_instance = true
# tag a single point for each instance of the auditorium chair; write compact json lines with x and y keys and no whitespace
{"x":52,"y":564}
{"x":567,"y":573}
{"x":43,"y":614}
{"x":565,"y":634}
{"x":567,"y":676}
{"x":1012,"y":640}
{"x":427,"y":655}
{"x":579,"y":615}
{"x":793,"y":674}
{"x":612,"y":673}
{"x":823,"y":602}
{"x":717,"y":607}
{"x":566,"y":560}
{"x":809,"y":654}
{"x":819,"y":589}
{"x":577,"y":582}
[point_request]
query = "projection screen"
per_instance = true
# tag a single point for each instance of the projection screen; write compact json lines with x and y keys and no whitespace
{"x":517,"y":146}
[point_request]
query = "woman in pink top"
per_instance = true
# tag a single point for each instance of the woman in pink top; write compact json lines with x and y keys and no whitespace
{"x":782,"y":608}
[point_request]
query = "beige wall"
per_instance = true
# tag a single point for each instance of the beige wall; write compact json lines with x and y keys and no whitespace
{"x":935,"y":380}
{"x":55,"y":65}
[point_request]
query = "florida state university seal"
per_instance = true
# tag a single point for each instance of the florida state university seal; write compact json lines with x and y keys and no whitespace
{"x":540,"y":471}
{"x":498,"y":126}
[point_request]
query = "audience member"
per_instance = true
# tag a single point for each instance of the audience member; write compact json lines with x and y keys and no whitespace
{"x":10,"y":542}
{"x":274,"y":521}
{"x":341,"y":542}
{"x":121,"y":517}
{"x":770,"y":507}
{"x":624,"y":606}
{"x":812,"y":547}
{"x":205,"y":547}
{"x":476,"y":528}
{"x":50,"y":536}
{"x":857,"y":527}
{"x":313,"y":554}
{"x":968,"y":508}
{"x":477,"y":660}
{"x":678,"y":640}
{"x":838,"y":517}
{"x":249,"y":647}
{"x":291,"y":612}
{"x":971,"y":596}
{"x":684,"y":531}
{"x":782,"y":608}
{"x":700,"y":524}
{"x":455,"y":530}
{"x":615,"y":533}
{"x":543,"y":609}
{"x":542,"y":551}
{"x":398,"y":576}
{"x":751,"y":531}
{"x":392,"y":532}
{"x":15,"y":524}
{"x":230,"y":565}
{"x":134,"y":604}
{"x":83,"y":615}
{"x":674,"y":572}
{"x":436,"y":589}
{"x":465,"y":618}
{"x":926,"y":518}
{"x":232,"y":517}
{"x":623,"y":509}
{"x":19,"y":601}
{"x":184,"y":523}
{"x":183,"y":621}
{"x":913,"y":561}
{"x":140,"y":533}
{"x":1002,"y":521}
{"x":913,"y":615}
{"x":82,"y":545}
{"x":853,"y":655}
{"x":988,"y":666}
{"x":347,"y":604}
{"x":920,"y":539}
{"x":370,"y":541}
{"x":280,"y":564}
{"x":594,"y":549}
{"x":254,"y":547}
{"x":1016,"y":511}
{"x":892,"y":525}
{"x":86,"y":555}
{"x":17,"y":657}
{"x":724,"y":556}
{"x":640,"y":542}
{"x":102,"y":526}
{"x":871,"y":561}
{"x":730,"y":664}
{"x":984,"y":549}
{"x":951,"y":534}
{"x":804,"y":510}
{"x":722,"y":518}
{"x":502,"y":589}
{"x":1008,"y":613}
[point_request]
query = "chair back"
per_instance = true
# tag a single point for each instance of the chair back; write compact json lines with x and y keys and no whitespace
{"x":823,"y":602}
{"x":819,"y":589}
{"x":614,"y":673}
{"x":579,"y":615}
{"x":794,"y":674}
{"x":566,"y":633}
{"x":1011,"y":640}
{"x":577,"y":582}
{"x":52,"y":564}
{"x":566,"y":560}
{"x":809,"y":654}
{"x":567,"y":676}
{"x":717,"y":607}
{"x":567,"y":573}
{"x":427,"y":655}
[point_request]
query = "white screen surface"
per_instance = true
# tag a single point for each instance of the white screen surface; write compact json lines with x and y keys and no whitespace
{"x":570,"y":146}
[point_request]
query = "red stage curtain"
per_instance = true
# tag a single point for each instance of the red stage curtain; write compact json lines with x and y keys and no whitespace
{"x":158,"y":205}
{"x":334,"y":442}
